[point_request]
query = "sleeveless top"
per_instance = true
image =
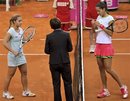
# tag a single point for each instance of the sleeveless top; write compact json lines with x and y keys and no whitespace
{"x":15,"y":38}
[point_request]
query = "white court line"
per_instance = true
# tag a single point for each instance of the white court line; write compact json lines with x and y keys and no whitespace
{"x":42,"y":39}
{"x":31,"y":39}
{"x":122,"y":53}
{"x":118,"y":39}
{"x":27,"y":54}
{"x":46,"y":54}
{"x":121,"y":39}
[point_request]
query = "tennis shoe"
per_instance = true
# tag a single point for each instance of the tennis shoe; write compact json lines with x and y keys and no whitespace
{"x":92,"y":49}
{"x":8,"y":95}
{"x":124,"y":91}
{"x":103,"y":93}
{"x":28,"y":93}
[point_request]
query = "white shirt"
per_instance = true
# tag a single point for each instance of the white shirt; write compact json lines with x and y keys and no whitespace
{"x":15,"y":38}
{"x":102,"y":36}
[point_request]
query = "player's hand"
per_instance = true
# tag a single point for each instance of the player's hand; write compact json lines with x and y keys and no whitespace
{"x":15,"y":53}
{"x":95,"y":23}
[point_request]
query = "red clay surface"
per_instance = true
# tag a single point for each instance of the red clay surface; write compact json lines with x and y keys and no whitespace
{"x":38,"y":68}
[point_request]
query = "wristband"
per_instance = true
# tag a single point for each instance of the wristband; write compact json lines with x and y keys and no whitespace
{"x":102,"y":26}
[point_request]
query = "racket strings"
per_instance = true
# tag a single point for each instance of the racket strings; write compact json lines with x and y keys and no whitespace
{"x":28,"y":34}
{"x":120,"y":26}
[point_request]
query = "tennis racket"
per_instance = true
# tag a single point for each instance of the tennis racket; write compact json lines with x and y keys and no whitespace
{"x":27,"y":35}
{"x":119,"y":25}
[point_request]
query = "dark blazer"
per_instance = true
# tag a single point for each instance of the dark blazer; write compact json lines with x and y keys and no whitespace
{"x":58,"y":44}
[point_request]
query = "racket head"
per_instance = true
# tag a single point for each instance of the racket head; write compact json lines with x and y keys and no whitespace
{"x":28,"y":33}
{"x":120,"y":25}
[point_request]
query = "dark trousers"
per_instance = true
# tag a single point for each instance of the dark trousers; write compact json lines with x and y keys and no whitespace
{"x":63,"y":70}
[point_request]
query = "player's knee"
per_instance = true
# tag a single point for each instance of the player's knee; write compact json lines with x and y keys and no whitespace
{"x":24,"y":73}
{"x":10,"y":75}
{"x":108,"y":71}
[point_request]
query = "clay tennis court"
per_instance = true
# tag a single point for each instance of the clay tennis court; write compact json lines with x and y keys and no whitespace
{"x":38,"y":68}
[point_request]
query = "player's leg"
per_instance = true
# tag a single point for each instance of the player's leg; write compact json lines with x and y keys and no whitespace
{"x":104,"y":91}
{"x":10,"y":74}
{"x":123,"y":88}
{"x":107,"y":66}
{"x":98,"y":53}
{"x":24,"y":80}
{"x":102,"y":72}
{"x":23,"y":71}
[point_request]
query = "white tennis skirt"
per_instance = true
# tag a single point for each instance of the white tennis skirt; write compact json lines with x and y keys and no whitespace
{"x":15,"y":61}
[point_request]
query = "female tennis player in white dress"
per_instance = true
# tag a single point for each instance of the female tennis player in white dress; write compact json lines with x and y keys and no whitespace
{"x":16,"y":59}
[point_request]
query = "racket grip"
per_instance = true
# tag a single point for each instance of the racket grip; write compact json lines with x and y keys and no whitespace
{"x":102,"y":26}
{"x":19,"y":51}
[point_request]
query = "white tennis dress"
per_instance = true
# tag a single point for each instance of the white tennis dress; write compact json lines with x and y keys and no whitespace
{"x":14,"y":42}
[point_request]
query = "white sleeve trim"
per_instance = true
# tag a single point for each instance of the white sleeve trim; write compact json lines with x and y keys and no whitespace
{"x":71,"y":4}
{"x":54,"y":4}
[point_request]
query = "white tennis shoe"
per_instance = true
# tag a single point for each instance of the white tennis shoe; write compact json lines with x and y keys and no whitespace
{"x":92,"y":49}
{"x":7,"y":95}
{"x":28,"y":93}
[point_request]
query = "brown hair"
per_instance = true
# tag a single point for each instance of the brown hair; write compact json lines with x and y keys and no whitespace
{"x":102,"y":5}
{"x":13,"y":19}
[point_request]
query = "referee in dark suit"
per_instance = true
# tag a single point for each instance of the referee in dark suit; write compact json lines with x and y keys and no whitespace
{"x":58,"y":44}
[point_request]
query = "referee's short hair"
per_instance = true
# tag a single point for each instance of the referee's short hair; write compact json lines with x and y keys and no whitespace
{"x":55,"y":23}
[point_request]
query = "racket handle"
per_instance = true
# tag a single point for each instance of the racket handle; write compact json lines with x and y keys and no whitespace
{"x":19,"y":51}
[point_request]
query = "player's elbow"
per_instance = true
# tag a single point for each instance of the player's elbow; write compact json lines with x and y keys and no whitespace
{"x":4,"y":42}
